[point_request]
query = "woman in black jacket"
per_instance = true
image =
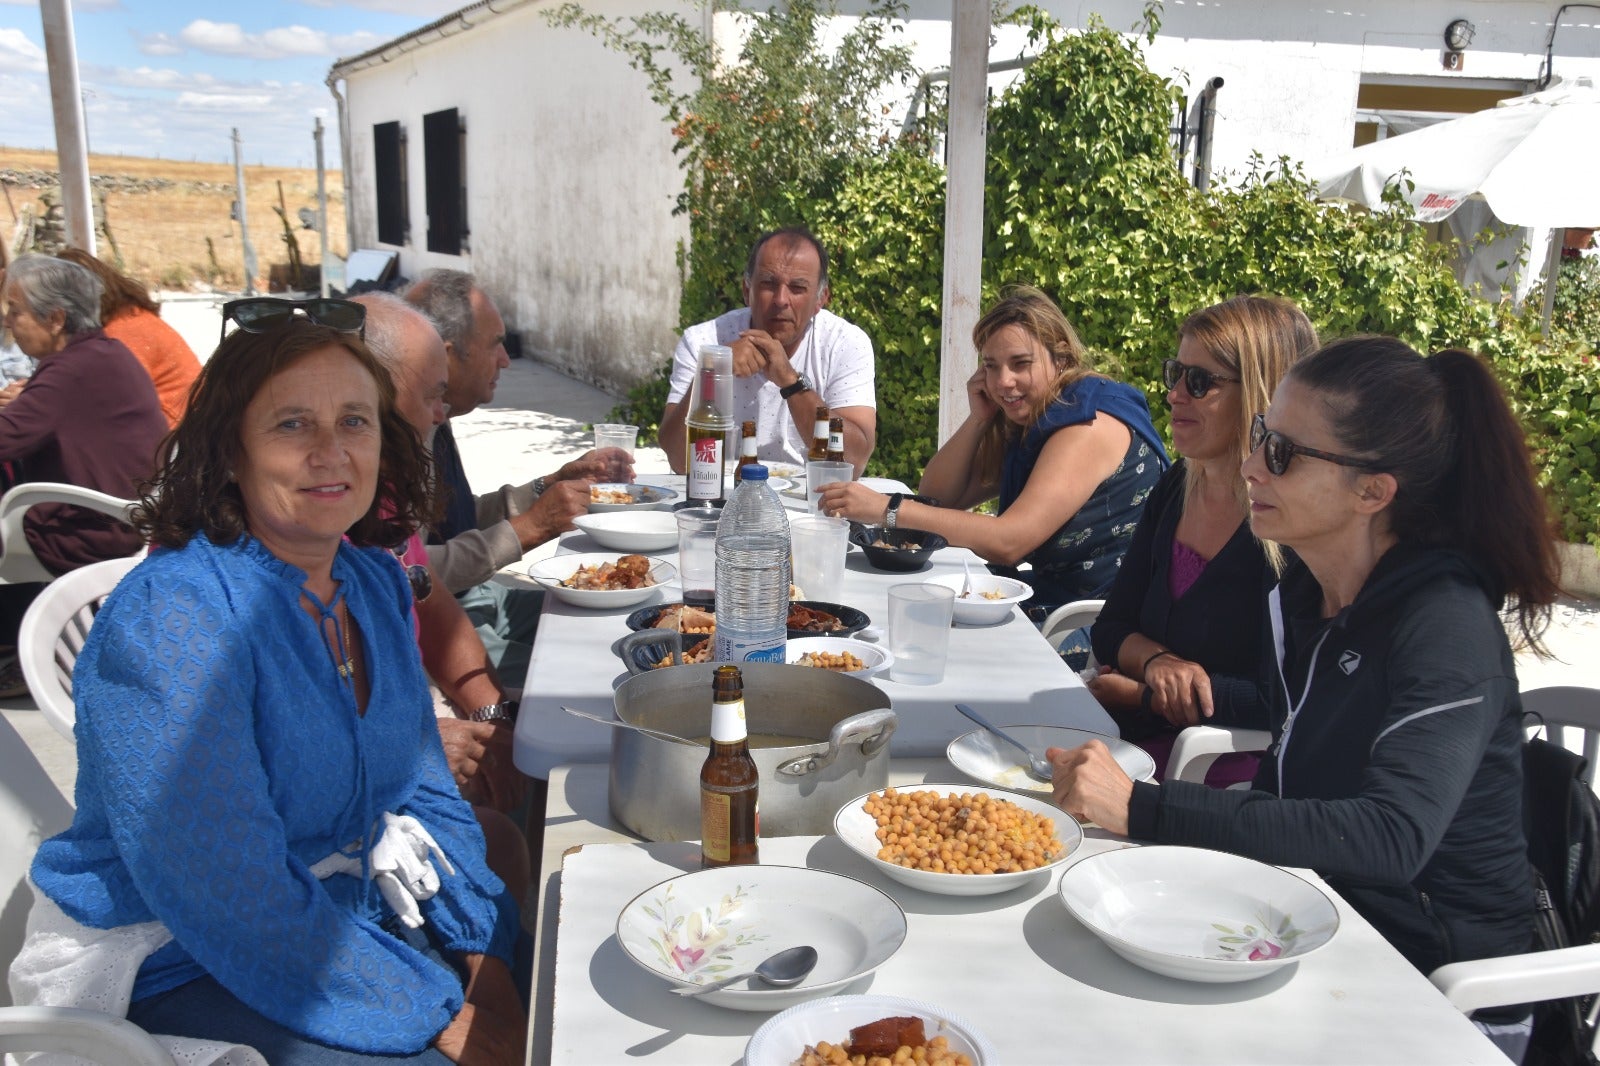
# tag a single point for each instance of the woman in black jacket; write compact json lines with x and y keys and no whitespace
{"x":1183,"y":623}
{"x":1404,"y":487}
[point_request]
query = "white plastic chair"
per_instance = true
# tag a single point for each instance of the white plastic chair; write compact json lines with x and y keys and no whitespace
{"x":18,"y":564}
{"x":1068,"y":617}
{"x":1563,"y":707}
{"x":31,"y":809}
{"x":53,"y":633}
{"x":1198,"y":746}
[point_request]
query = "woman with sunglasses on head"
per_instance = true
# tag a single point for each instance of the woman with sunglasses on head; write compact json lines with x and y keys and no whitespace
{"x":1070,"y":483}
{"x":88,"y":417}
{"x":1403,"y":486}
{"x":262,"y":795}
{"x":1181,"y":629}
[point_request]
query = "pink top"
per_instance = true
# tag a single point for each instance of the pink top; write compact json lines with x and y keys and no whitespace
{"x":1187,"y":566}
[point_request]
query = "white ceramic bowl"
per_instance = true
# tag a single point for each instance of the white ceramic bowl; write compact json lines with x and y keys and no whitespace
{"x":1198,"y":915}
{"x":699,"y":927}
{"x":978,"y":610}
{"x":858,"y":830}
{"x":985,"y":757}
{"x":644,"y":497}
{"x":631,"y":531}
{"x":549,"y":573}
{"x":782,"y":1039}
{"x":874,"y":658}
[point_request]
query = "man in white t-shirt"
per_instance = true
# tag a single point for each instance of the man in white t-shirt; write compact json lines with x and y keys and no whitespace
{"x":789,"y":356}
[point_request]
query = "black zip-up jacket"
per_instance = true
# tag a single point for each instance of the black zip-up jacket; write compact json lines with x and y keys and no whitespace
{"x":1396,"y":773}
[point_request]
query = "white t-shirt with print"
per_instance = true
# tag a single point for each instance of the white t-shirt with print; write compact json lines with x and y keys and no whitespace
{"x":835,"y":356}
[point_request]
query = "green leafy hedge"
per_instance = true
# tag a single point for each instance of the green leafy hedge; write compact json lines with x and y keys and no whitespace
{"x":1083,"y":200}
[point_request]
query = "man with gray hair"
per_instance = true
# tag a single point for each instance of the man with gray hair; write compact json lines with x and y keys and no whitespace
{"x":481,"y":534}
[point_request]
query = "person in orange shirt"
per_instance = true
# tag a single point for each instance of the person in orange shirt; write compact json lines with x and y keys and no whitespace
{"x":128,"y":314}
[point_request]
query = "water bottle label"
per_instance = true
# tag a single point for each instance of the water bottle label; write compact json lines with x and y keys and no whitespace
{"x":731,"y":650}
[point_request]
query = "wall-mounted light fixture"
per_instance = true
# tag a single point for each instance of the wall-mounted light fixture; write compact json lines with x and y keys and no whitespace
{"x":1458,"y":35}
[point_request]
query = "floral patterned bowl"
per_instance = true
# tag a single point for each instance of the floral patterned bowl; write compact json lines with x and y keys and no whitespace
{"x":701,"y":927}
{"x":1198,"y":915}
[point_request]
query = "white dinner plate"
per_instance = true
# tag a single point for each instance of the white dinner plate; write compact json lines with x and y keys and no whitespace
{"x":642,"y":497}
{"x":858,"y":830}
{"x":985,"y":757}
{"x":631,"y":531}
{"x":549,"y":573}
{"x":700,"y":927}
{"x":1198,"y":915}
{"x":782,"y":1039}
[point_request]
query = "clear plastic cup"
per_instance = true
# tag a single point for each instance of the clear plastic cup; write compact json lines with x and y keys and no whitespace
{"x":615,"y":435}
{"x":697,"y":554}
{"x":919,"y":632}
{"x":820,"y":473}
{"x":819,"y":545}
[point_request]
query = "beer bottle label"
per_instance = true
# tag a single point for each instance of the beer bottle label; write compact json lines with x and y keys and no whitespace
{"x":836,"y":442}
{"x":715,"y":816}
{"x":727,"y":722}
{"x":819,"y":430}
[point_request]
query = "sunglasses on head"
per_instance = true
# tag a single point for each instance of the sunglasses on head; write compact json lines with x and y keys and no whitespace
{"x":1196,"y":379}
{"x":1281,"y":449}
{"x":263,"y":314}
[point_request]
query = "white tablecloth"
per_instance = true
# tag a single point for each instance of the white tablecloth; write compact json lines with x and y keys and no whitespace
{"x":1042,"y":988}
{"x":1008,"y":671}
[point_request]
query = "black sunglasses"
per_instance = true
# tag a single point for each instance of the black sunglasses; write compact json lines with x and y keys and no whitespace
{"x":262,"y":314}
{"x":1196,"y":379}
{"x":419,"y":576}
{"x":1281,"y":449}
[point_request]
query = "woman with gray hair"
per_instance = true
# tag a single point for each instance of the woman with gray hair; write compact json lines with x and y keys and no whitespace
{"x":88,"y":416}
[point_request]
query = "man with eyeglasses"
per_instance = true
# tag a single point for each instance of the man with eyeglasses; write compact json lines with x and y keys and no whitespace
{"x":481,"y":534}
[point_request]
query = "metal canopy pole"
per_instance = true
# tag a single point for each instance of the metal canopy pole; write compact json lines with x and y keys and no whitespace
{"x":322,"y":212}
{"x":965,"y":156}
{"x":72,"y":139}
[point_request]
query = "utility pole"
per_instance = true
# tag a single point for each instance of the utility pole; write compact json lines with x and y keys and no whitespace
{"x":322,"y":211}
{"x":66,"y":104}
{"x":244,"y":223}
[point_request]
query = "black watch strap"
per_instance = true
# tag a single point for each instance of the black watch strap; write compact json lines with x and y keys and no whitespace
{"x":891,"y":513}
{"x":799,"y":385}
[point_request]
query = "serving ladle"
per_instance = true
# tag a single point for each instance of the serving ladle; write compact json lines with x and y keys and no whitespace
{"x":617,"y":723}
{"x":1036,"y":766}
{"x":784,"y":970}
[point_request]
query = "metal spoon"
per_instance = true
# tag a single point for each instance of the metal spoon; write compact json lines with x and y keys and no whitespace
{"x":784,"y":970}
{"x":616,"y":723}
{"x":966,"y":581}
{"x":1037,"y":766}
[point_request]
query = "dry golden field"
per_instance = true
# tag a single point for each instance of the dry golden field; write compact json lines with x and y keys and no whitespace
{"x":161,"y":213}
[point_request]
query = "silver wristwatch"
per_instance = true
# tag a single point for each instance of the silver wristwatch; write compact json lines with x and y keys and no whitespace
{"x":539,"y":485}
{"x":891,"y":513}
{"x":504,"y":711}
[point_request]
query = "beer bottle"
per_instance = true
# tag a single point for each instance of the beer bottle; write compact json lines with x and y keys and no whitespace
{"x":836,"y":439}
{"x":707,"y":434}
{"x":729,"y":820}
{"x":819,"y":435}
{"x":747,"y":450}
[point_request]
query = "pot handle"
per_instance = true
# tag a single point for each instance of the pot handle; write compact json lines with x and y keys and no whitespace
{"x":872,"y":728}
{"x":625,"y":646}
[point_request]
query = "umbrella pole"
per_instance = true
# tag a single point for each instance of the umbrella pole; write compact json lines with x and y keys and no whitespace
{"x":1552,"y":270}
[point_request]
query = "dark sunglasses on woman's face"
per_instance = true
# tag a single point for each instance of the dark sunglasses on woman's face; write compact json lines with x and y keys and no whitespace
{"x":1281,"y":449}
{"x":263,"y":314}
{"x":1196,"y":379}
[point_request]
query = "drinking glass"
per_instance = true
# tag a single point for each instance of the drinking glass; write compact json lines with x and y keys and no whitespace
{"x":819,"y":473}
{"x":697,"y":555}
{"x":919,"y":632}
{"x":819,"y":546}
{"x":614,"y":435}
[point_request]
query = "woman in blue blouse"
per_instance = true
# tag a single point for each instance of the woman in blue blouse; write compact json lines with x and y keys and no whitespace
{"x":1070,"y":483}
{"x":251,"y":709}
{"x":1180,"y":635}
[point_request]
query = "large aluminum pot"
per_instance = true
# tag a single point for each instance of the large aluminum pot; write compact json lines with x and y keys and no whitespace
{"x":655,"y":784}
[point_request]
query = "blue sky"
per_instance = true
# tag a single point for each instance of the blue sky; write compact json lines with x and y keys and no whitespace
{"x":172,"y":78}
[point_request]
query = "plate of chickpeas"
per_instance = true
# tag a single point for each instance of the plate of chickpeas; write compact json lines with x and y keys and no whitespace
{"x":843,"y":655}
{"x":958,"y":840}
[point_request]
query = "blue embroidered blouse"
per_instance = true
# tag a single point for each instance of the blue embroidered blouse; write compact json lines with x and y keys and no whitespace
{"x":220,"y":756}
{"x":1079,"y":560}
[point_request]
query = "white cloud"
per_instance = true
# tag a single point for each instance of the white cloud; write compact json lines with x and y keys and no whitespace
{"x":230,"y":39}
{"x":159,"y":44}
{"x":18,"y":54}
{"x":224,"y":101}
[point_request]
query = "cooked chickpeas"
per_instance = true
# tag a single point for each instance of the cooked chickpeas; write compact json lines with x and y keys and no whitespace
{"x":842,"y":661}
{"x":936,"y":1053}
{"x":966,"y":833}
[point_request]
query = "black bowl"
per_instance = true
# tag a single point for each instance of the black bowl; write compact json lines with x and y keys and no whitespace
{"x":901,"y":559}
{"x":850,"y":619}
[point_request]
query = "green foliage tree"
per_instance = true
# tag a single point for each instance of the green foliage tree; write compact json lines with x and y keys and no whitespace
{"x":1083,"y":200}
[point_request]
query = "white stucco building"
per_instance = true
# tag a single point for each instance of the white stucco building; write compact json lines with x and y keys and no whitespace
{"x":492,"y":142}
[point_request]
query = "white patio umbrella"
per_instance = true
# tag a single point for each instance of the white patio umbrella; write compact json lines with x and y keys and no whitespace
{"x":1534,"y":159}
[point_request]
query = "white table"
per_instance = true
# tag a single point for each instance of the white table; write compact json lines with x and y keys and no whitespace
{"x":1007,"y":671}
{"x":1041,"y":987}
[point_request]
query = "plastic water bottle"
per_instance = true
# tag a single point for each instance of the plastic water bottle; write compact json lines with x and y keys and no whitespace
{"x":752,"y":574}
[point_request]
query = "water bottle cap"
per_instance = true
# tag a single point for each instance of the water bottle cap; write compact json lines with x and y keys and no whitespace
{"x":753,"y":472}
